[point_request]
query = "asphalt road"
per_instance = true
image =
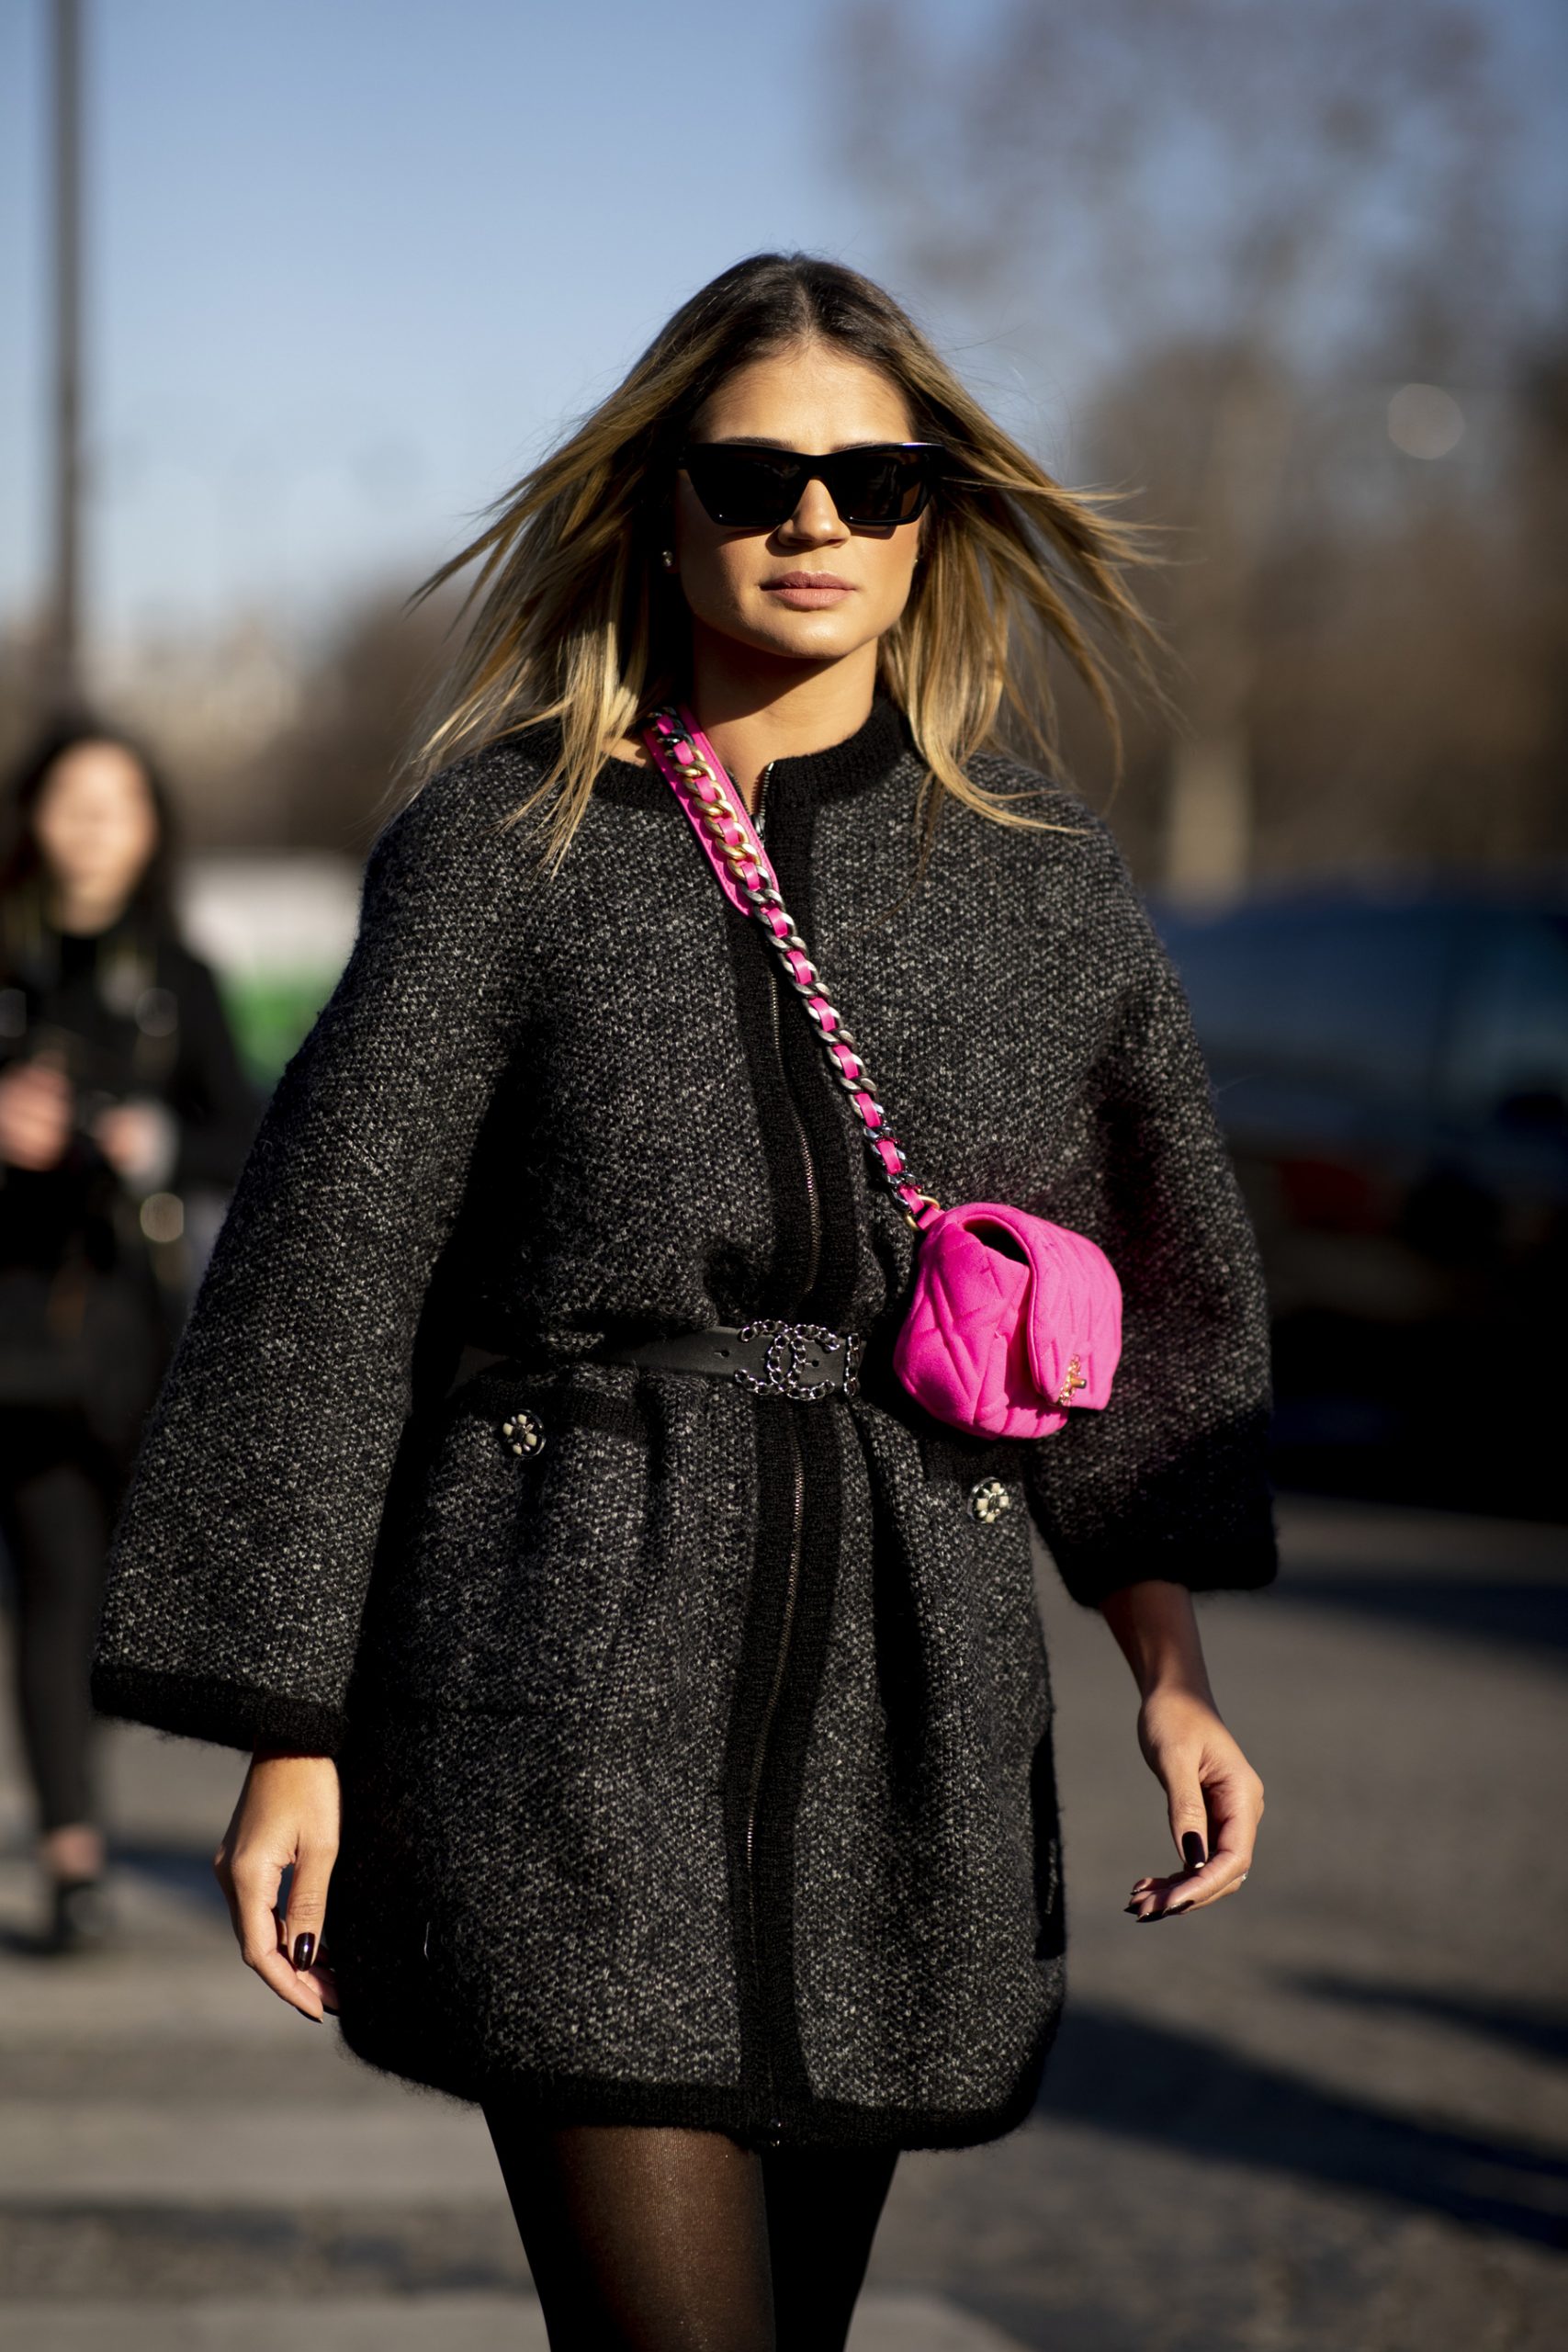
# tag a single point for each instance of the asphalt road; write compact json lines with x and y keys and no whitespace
{"x":1333,"y":2113}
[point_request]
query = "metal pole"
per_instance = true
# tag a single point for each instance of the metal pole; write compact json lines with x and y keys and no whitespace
{"x":63,"y":664}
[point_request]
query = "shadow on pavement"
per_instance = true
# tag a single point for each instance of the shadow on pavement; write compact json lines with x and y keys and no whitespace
{"x":175,"y":1870}
{"x":1539,"y":2033}
{"x":1518,"y":1613}
{"x":1152,"y":2083}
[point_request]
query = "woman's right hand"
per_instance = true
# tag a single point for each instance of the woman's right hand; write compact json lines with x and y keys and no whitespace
{"x":35,"y":1114}
{"x":288,"y":1815}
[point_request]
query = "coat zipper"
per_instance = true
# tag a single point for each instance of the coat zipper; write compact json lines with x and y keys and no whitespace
{"x":798,"y":1513}
{"x":764,"y":1733}
{"x":809,"y":1166}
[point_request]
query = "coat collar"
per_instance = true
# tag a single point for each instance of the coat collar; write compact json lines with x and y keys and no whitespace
{"x":861,"y":760}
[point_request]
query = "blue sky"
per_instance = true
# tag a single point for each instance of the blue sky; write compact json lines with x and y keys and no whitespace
{"x":351,"y":262}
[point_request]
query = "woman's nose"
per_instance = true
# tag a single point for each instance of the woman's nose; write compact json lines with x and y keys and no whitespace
{"x":816,"y":519}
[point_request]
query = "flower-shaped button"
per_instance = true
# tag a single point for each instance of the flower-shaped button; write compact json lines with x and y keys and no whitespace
{"x":524,"y":1432}
{"x":988,"y":1500}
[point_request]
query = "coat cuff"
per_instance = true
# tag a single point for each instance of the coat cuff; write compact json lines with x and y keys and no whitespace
{"x":1244,"y":1560}
{"x":231,"y":1715}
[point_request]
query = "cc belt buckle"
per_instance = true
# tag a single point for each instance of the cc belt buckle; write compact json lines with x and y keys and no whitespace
{"x":793,"y":1353}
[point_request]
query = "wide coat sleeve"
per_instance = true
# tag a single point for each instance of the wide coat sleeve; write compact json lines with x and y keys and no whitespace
{"x":1171,"y":1480}
{"x":241,"y":1556}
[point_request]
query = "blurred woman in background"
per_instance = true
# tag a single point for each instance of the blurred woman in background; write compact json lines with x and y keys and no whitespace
{"x":120,"y":1091}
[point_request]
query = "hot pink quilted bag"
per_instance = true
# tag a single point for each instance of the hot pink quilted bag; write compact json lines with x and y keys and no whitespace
{"x":1013,"y":1319}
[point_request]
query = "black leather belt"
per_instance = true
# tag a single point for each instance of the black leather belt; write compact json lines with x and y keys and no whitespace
{"x":803,"y":1361}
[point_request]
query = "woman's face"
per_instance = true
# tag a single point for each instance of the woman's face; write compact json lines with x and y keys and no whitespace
{"x":813,"y":398}
{"x":96,"y":824}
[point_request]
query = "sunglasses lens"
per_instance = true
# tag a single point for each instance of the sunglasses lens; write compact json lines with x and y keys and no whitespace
{"x":748,"y":490}
{"x":756,"y":490}
{"x":879,"y":485}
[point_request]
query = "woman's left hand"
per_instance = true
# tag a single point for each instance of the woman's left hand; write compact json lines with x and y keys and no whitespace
{"x":1215,"y":1800}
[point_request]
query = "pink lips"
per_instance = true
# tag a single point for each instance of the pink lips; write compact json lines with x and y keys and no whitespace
{"x":805,"y":591}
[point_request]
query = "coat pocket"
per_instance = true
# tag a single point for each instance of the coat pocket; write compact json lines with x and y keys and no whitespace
{"x":507,"y":1564}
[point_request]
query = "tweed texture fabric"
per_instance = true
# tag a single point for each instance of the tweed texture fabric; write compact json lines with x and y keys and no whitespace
{"x":697,"y":1765}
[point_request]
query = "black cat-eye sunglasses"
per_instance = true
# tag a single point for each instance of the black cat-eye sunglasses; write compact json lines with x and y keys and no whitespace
{"x":748,"y":487}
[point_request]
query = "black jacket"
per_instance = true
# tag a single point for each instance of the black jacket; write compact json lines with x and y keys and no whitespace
{"x":696,"y":1769}
{"x":93,"y":1283}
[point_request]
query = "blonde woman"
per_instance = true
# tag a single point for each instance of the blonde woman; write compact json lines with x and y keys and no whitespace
{"x":663,"y":1737}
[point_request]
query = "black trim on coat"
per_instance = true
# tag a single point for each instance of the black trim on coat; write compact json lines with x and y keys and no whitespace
{"x":818,"y":1438}
{"x":797,"y":1115}
{"x":792,"y":827}
{"x":548,"y":2098}
{"x":853,"y":766}
{"x":857,"y":765}
{"x":783,"y":1285}
{"x":229,"y":1714}
{"x":763,"y":1630}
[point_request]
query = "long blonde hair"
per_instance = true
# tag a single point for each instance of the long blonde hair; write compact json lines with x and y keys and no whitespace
{"x":577,"y":622}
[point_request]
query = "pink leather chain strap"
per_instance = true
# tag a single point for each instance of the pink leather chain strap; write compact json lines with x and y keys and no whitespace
{"x":696,"y":776}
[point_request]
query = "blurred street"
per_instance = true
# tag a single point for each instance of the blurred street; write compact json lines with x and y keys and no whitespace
{"x":1333,"y":2113}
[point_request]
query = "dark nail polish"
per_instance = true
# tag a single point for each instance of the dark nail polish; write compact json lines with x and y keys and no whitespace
{"x":1192,"y":1850}
{"x":1174,"y":1910}
{"x":304,"y":1949}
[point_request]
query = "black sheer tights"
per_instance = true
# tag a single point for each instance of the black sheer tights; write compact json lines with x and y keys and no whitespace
{"x":644,"y":2239}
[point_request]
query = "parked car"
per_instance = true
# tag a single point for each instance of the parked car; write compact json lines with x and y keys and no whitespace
{"x":1392,"y":1072}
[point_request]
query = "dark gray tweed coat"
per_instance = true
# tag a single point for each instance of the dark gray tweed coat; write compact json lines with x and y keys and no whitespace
{"x":697,"y":1769}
